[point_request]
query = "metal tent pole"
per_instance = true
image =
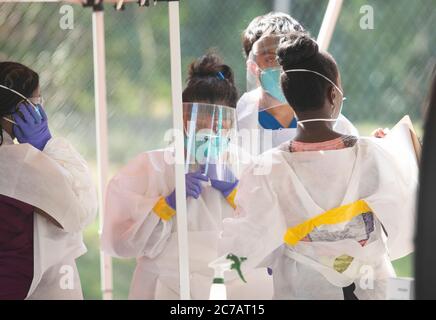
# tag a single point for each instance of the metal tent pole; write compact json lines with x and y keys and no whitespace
{"x":329,"y":23}
{"x":101,"y":135}
{"x":176,"y":89}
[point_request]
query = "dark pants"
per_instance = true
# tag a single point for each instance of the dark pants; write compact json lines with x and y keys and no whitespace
{"x":349,"y":292}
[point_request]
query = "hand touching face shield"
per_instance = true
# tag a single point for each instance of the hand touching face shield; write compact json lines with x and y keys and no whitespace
{"x":31,"y":127}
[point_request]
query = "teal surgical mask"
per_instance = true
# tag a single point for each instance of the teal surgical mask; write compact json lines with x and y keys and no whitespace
{"x":270,"y":82}
{"x":207,"y":147}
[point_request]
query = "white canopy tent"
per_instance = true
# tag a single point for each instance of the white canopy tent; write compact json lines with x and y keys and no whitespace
{"x":324,"y":37}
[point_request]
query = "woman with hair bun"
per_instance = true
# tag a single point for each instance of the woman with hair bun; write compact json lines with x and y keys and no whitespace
{"x":333,"y":209}
{"x":140,"y":203}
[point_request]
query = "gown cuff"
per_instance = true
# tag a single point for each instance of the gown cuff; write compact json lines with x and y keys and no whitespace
{"x":231,"y":198}
{"x":163,"y":210}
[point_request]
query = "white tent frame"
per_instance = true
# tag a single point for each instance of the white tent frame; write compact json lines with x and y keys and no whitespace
{"x":324,"y":38}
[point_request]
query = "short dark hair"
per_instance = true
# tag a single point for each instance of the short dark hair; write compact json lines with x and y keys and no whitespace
{"x":270,"y":23}
{"x":211,"y":81}
{"x":303,"y":90}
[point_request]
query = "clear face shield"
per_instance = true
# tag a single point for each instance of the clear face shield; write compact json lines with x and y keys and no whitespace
{"x":211,"y":141}
{"x":263,"y":73}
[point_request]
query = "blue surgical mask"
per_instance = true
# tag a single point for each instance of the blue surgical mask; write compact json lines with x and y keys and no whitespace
{"x":270,"y":82}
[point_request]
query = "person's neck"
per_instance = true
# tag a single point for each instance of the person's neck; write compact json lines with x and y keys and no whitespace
{"x":7,"y":127}
{"x":318,"y":131}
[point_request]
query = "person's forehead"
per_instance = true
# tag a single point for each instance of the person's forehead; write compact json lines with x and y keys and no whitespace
{"x":266,"y":45}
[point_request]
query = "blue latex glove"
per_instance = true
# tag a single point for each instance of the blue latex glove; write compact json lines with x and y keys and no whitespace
{"x":33,"y":129}
{"x":224,"y":187}
{"x":193,"y":188}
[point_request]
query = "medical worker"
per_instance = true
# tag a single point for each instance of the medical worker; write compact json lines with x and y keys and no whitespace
{"x":328,"y":212}
{"x":140,"y":201}
{"x":47,"y":196}
{"x":265,"y":118}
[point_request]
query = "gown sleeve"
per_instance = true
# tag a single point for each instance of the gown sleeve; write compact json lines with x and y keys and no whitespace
{"x":133,"y":226}
{"x":79,"y":179}
{"x":395,"y":202}
{"x":259,"y":225}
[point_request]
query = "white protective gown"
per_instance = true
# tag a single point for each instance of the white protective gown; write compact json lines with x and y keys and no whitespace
{"x":133,"y":229}
{"x":301,"y":186}
{"x":58,"y":181}
{"x":250,"y":130}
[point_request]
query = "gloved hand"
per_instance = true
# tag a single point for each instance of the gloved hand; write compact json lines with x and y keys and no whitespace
{"x":380,"y":133}
{"x":193,"y":188}
{"x":33,"y":129}
{"x":224,"y":187}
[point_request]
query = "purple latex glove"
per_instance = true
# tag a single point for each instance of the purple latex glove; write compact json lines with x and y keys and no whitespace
{"x":224,"y":187}
{"x":33,"y":129}
{"x":193,"y":187}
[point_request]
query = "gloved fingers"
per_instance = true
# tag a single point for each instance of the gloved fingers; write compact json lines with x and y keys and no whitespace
{"x":190,"y":192}
{"x":43,"y":114}
{"x":218,"y":183}
{"x":18,"y":132}
{"x":198,"y":183}
{"x":193,"y":186}
{"x":196,"y":195}
{"x":25,"y":112}
{"x":200,"y":176}
{"x":19,"y":120}
{"x":33,"y":113}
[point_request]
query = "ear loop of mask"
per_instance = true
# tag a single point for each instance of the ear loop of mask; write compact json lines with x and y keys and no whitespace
{"x":323,"y":76}
{"x":22,"y":96}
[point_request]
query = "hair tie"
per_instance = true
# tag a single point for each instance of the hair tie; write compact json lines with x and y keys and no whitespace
{"x":220,"y":75}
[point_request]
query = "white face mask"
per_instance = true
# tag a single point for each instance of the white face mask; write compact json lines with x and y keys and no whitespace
{"x":334,"y":85}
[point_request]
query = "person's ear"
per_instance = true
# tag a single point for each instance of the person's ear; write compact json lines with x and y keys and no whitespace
{"x":331,"y":95}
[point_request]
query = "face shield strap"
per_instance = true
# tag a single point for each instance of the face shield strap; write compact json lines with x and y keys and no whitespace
{"x":332,"y":83}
